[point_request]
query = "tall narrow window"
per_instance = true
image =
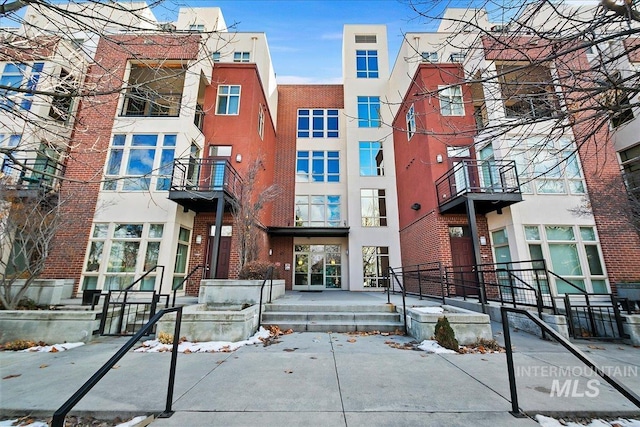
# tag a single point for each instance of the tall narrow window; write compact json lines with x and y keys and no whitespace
{"x":411,"y":122}
{"x":228,"y":100}
{"x":261,"y":121}
{"x":371,"y":159}
{"x":368,"y":111}
{"x":367,"y":64}
{"x":373,"y":207}
{"x":375,"y":264}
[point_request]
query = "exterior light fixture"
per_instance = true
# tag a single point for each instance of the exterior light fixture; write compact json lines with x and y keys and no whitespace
{"x":238,"y":158}
{"x":416,"y":206}
{"x":439,"y":158}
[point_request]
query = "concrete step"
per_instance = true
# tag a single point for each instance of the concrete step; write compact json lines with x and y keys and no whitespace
{"x":356,"y":308}
{"x":351,"y":326}
{"x":335,"y":317}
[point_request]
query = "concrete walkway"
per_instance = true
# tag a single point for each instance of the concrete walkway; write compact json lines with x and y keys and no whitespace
{"x":324,"y":379}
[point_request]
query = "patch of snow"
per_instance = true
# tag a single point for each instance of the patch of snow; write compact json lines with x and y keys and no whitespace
{"x":49,"y":348}
{"x":429,"y":310}
{"x":133,"y":422}
{"x":552,"y":422}
{"x":10,"y":423}
{"x":154,"y":346}
{"x":431,"y":346}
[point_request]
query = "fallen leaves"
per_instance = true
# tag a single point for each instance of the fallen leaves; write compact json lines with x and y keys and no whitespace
{"x":11,"y":376}
{"x":43,"y":366}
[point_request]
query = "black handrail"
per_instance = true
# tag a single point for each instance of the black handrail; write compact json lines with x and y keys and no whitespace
{"x":268,"y":276}
{"x":391,"y":272}
{"x":145,"y":275}
{"x":177,"y":286}
{"x":515,"y":410}
{"x":583,"y":291}
{"x":61,"y":413}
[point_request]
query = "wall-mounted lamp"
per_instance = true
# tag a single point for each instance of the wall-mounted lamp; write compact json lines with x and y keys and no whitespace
{"x":198,"y":239}
{"x":439,"y":158}
{"x":238,"y":158}
{"x":416,"y":206}
{"x":483,"y":241}
{"x":270,"y":252}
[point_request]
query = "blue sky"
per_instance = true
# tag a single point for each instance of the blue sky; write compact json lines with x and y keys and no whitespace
{"x":305,"y":37}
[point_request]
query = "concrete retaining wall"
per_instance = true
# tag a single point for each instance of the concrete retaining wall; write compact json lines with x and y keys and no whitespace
{"x":52,"y":327}
{"x":231,"y":293}
{"x":467,"y":325}
{"x":46,"y":291}
{"x":631,"y":325}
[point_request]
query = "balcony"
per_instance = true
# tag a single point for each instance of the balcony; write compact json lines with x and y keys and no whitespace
{"x":31,"y":177}
{"x":198,"y":184}
{"x":139,"y":104}
{"x":491,"y":184}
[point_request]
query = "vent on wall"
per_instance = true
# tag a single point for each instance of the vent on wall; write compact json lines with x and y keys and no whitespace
{"x":366,"y":38}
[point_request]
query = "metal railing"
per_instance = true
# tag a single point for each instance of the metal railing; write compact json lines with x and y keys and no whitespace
{"x":478,"y":176}
{"x":515,"y":409}
{"x":205,"y":175}
{"x":392,"y":284}
{"x":151,"y":104}
{"x":421,"y":280}
{"x":147,"y":273}
{"x":61,"y":413}
{"x":32,"y":174}
{"x":594,"y":316}
{"x":124,"y":312}
{"x":268,"y":277}
{"x":182,"y":282}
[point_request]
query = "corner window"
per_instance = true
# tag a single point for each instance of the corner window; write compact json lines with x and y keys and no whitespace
{"x":317,"y":123}
{"x":228,"y":100}
{"x":411,"y":122}
{"x":371,"y":158}
{"x":373,"y":207}
{"x":367,"y":64}
{"x":451,"y":103}
{"x":368,"y":111}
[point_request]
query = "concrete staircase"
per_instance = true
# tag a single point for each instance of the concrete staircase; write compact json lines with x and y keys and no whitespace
{"x":333,"y":317}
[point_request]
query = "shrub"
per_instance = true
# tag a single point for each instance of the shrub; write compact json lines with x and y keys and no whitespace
{"x":445,"y":335}
{"x":257,"y":270}
{"x":165,"y":338}
{"x":18,"y":345}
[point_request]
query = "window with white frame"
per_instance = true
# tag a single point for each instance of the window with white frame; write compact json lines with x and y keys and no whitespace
{"x":137,"y":160}
{"x":120,"y":252}
{"x":451,"y":102}
{"x":228,"y":100}
{"x":261,"y":121}
{"x":241,"y":56}
{"x":367,"y":64}
{"x":411,"y":122}
{"x":21,"y":76}
{"x":456,"y":57}
{"x":318,"y":166}
{"x":500,"y":243}
{"x":373,"y":207}
{"x":572,"y":252}
{"x":547,"y":166}
{"x":182,"y":258}
{"x":196,"y":27}
{"x":371,"y":158}
{"x":375,"y":264}
{"x":429,"y":56}
{"x":368,"y":111}
{"x":318,"y":211}
{"x":317,"y":123}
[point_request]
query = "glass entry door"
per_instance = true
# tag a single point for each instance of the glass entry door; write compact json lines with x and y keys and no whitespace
{"x":317,"y":267}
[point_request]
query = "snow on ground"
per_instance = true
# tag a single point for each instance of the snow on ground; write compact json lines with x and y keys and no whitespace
{"x":429,"y":310}
{"x":11,"y":423}
{"x":154,"y":346}
{"x":552,"y":422}
{"x":431,"y":346}
{"x":51,"y":348}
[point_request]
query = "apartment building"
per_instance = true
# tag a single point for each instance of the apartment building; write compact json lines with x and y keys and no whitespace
{"x":379,"y":171}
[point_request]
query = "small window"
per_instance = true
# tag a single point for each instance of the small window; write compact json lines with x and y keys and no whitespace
{"x":456,"y":57}
{"x":196,"y":27}
{"x":241,"y":57}
{"x":366,"y":38}
{"x":215,"y":56}
{"x":429,"y":56}
{"x":451,"y":103}
{"x":228,"y":100}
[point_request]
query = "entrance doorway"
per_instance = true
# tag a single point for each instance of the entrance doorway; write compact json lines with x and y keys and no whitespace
{"x":317,"y":267}
{"x":462,"y":257}
{"x":224,"y":253}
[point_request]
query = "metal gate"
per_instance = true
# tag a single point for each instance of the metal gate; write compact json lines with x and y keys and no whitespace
{"x":124,"y":313}
{"x":593,"y":316}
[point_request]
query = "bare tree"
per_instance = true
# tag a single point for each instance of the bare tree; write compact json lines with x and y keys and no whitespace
{"x":246,"y":209}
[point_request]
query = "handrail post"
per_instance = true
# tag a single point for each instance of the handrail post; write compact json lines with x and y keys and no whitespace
{"x":172,"y":369}
{"x":515,"y":411}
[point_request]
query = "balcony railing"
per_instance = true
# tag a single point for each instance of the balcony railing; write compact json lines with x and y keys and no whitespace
{"x":538,"y":106}
{"x":199,"y":178}
{"x":31,"y":174}
{"x":151,"y":104}
{"x":490,"y":180}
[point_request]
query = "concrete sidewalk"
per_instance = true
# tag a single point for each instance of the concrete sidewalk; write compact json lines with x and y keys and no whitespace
{"x":322,"y":379}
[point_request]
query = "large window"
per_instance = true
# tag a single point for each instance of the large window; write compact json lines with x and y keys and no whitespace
{"x":318,"y":166}
{"x":373,"y":207}
{"x":375,"y":266}
{"x":451,"y":103}
{"x":527,"y":90}
{"x":154,"y":91}
{"x":367,"y":64}
{"x":19,"y":76}
{"x":572,"y":252}
{"x":368,"y":111}
{"x":411,"y":122}
{"x":547,"y":166}
{"x":318,"y":211}
{"x":317,"y":123}
{"x":371,"y":159}
{"x":121,"y":252}
{"x":228,"y":100}
{"x":134,"y":160}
